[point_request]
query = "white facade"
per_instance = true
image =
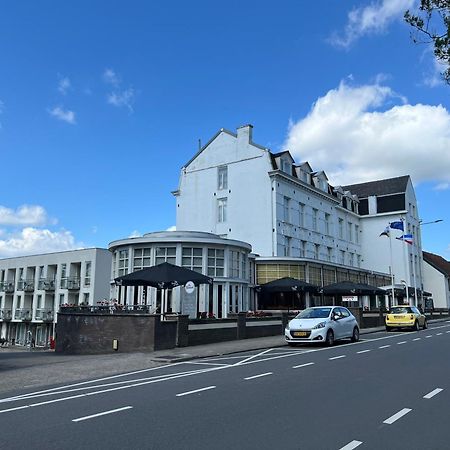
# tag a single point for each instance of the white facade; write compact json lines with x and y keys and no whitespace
{"x":437,"y":280}
{"x":227,"y":261}
{"x":32,"y":289}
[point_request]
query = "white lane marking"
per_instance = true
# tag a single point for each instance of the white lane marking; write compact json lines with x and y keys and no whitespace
{"x":259,"y":376}
{"x":402,"y":342}
{"x":337,"y":357}
{"x":417,"y":339}
{"x":384,"y":346}
{"x":209,"y":364}
{"x":351,"y":445}
{"x":364,"y":351}
{"x":438,"y":334}
{"x":13,"y":409}
{"x":430,"y":335}
{"x":56,"y":400}
{"x":195,"y":391}
{"x":447,"y":331}
{"x":104,"y":413}
{"x":252,"y":357}
{"x":433,"y":393}
{"x":303,"y":365}
{"x":396,"y":416}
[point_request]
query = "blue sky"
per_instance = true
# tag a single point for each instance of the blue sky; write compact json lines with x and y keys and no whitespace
{"x":102,"y":102}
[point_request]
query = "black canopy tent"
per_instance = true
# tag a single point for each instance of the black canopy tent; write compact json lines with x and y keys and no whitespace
{"x":163,"y":276}
{"x":351,"y":288}
{"x":291,"y":293}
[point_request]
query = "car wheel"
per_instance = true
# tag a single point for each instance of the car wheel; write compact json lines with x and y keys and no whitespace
{"x":355,"y":335}
{"x":329,"y":340}
{"x":416,"y":326}
{"x":425,"y":325}
{"x":388,"y":328}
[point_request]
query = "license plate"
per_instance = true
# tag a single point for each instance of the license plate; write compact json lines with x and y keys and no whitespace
{"x":300,"y":333}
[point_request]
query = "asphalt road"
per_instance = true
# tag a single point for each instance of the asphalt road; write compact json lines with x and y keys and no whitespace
{"x":388,"y":391}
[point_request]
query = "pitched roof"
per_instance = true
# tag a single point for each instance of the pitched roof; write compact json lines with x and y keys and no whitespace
{"x":379,"y":187}
{"x":438,"y":262}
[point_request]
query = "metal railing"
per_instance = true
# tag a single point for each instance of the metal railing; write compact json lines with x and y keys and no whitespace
{"x":23,"y":314}
{"x":7,"y":286}
{"x":5,"y":314}
{"x":109,"y":309}
{"x":47,"y":284}
{"x":70,"y":283}
{"x":26,"y":285}
{"x":45,"y":314}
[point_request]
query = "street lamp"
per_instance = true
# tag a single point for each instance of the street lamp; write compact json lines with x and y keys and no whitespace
{"x":427,"y":223}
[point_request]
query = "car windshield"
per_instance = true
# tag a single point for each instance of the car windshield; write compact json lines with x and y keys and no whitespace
{"x":314,"y":313}
{"x":400,"y":310}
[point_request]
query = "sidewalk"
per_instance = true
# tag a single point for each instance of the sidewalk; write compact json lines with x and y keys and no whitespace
{"x":22,"y":369}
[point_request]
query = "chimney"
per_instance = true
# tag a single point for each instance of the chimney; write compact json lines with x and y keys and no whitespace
{"x":244,"y":133}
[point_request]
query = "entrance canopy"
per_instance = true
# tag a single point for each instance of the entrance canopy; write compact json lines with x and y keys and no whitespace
{"x":163,"y":276}
{"x":350,"y":288}
{"x":288,"y":285}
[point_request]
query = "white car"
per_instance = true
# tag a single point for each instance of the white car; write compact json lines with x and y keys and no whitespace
{"x":324,"y":324}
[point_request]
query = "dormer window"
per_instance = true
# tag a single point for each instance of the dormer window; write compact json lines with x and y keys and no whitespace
{"x":222,"y":177}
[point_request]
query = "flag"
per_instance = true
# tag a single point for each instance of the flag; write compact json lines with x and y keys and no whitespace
{"x":408,"y":238}
{"x":398,"y":225}
{"x":385,"y":232}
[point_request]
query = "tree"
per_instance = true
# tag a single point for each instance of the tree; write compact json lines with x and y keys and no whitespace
{"x":432,"y":26}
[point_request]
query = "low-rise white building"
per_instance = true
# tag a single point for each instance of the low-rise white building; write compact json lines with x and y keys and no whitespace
{"x":227,"y":261}
{"x":437,"y":279}
{"x":32,"y":289}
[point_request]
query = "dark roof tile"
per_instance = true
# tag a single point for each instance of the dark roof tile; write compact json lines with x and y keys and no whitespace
{"x":379,"y":187}
{"x":438,"y":262}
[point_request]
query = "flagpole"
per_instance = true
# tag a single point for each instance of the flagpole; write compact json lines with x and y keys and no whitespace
{"x":406,"y":259}
{"x":392,"y":268}
{"x":414,"y":270}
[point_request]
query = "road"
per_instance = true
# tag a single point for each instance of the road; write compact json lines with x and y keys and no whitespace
{"x":388,"y":391}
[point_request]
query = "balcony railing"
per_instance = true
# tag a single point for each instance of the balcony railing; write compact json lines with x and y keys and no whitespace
{"x":48,"y":284}
{"x":7,"y":286}
{"x":23,"y":314}
{"x":5,"y":314}
{"x":26,"y":285}
{"x":45,"y":314}
{"x":113,"y":309}
{"x":70,"y":283}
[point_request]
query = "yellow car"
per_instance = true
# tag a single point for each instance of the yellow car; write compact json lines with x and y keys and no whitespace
{"x":405,"y":317}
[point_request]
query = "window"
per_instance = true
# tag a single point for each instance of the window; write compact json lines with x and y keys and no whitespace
{"x":357,"y":234}
{"x":61,"y":299}
{"x":87,"y":276}
{"x":329,"y":253}
{"x":301,"y":208}
{"x":86,"y":298}
{"x":216,"y":262}
{"x":41,"y":272}
{"x":191,"y":258}
{"x":287,"y":246}
{"x":234,"y":272}
{"x":303,"y":249}
{"x":316,"y":251}
{"x":351,"y":259}
{"x":358,"y":259}
{"x":123,"y":262}
{"x":342,"y":257}
{"x":165,"y":254}
{"x":221,"y":210}
{"x":222,"y":177}
{"x":341,"y":229}
{"x":350,"y":231}
{"x":327,"y":223}
{"x":314,"y":219}
{"x":286,"y":209}
{"x":141,"y":258}
{"x":63,"y":271}
{"x":243,"y":266}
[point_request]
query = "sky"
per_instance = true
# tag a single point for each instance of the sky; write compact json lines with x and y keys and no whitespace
{"x":102,"y":102}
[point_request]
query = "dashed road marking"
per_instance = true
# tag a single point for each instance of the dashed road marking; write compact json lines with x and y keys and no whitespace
{"x":385,"y":346}
{"x":417,"y":339}
{"x":303,"y":365}
{"x":363,"y":351}
{"x":104,"y":413}
{"x":351,"y":445}
{"x":438,"y":334}
{"x":396,"y":416}
{"x":402,"y":342}
{"x":195,"y":391}
{"x":430,"y":335}
{"x":337,"y":357}
{"x":433,"y":393}
{"x":259,"y":376}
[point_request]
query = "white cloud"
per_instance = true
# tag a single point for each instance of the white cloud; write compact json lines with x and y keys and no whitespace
{"x":64,"y":115}
{"x":64,"y":85}
{"x":172,"y":228}
{"x":31,"y":241}
{"x":110,"y":77}
{"x":357,"y":134}
{"x":23,"y":215}
{"x":135,"y":233}
{"x":122,"y":98}
{"x":371,"y":19}
{"x":442,"y":187}
{"x":433,"y":77}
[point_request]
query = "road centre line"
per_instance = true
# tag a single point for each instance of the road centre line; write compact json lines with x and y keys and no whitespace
{"x":433,"y":393}
{"x":337,"y":357}
{"x":364,"y":351}
{"x":396,"y":416}
{"x":112,"y":411}
{"x":182,"y":394}
{"x":303,"y":365}
{"x":430,"y":335}
{"x":448,"y":331}
{"x":417,"y":339}
{"x":402,"y":342}
{"x":385,"y":346}
{"x":438,"y":334}
{"x":258,"y":376}
{"x":351,"y":445}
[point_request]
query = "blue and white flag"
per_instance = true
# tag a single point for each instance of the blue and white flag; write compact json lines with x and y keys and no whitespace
{"x":398,"y":225}
{"x":385,"y":232}
{"x":408,"y":238}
